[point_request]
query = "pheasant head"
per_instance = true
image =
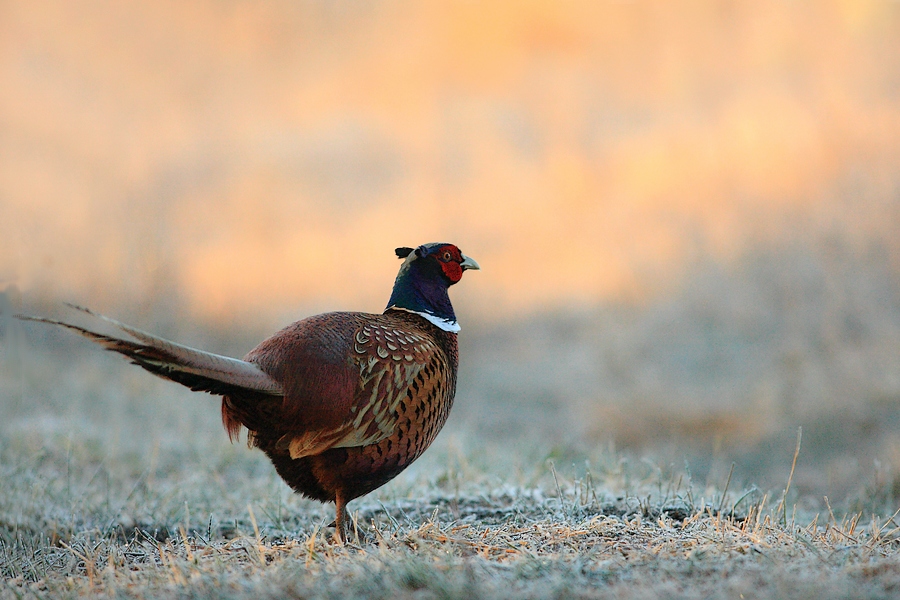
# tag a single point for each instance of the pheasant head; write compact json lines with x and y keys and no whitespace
{"x":424,"y":278}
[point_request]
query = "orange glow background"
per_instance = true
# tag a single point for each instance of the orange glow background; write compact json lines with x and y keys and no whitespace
{"x":250,"y":160}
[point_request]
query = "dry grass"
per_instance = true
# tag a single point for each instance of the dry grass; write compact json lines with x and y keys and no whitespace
{"x":536,"y":555}
{"x":80,"y":516}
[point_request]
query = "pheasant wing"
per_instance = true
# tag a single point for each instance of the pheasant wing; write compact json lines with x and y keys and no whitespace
{"x":399,"y":370}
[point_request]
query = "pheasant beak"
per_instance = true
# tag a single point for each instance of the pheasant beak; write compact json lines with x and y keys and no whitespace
{"x":469,"y":263}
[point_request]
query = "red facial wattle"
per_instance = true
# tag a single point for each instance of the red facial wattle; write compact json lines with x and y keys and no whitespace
{"x":452,"y":270}
{"x":450,"y":259}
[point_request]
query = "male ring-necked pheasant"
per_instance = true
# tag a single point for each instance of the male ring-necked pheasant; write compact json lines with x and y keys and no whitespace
{"x":340,"y":402}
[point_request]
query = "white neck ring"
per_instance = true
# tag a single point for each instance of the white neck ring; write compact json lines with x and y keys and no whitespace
{"x":444,"y":324}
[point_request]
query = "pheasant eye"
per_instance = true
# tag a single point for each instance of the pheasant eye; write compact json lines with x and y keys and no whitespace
{"x":447,"y":256}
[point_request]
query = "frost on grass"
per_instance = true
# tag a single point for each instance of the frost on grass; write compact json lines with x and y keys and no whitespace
{"x":76,"y":521}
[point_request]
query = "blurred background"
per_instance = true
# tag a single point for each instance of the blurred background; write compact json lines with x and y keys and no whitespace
{"x":687,"y":214}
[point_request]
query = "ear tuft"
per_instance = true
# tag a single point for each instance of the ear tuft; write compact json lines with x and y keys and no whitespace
{"x":402,"y":252}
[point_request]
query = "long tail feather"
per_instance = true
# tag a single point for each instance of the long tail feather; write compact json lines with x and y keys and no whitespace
{"x":196,"y":369}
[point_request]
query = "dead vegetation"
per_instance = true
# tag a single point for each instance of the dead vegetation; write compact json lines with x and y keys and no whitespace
{"x":212,"y":521}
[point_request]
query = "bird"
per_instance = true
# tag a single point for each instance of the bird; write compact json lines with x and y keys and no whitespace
{"x":340,"y":402}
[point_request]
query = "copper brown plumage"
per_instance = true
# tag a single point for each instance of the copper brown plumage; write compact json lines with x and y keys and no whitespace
{"x":340,"y":402}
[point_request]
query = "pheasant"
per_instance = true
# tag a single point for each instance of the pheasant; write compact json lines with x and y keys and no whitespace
{"x":340,"y":402}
